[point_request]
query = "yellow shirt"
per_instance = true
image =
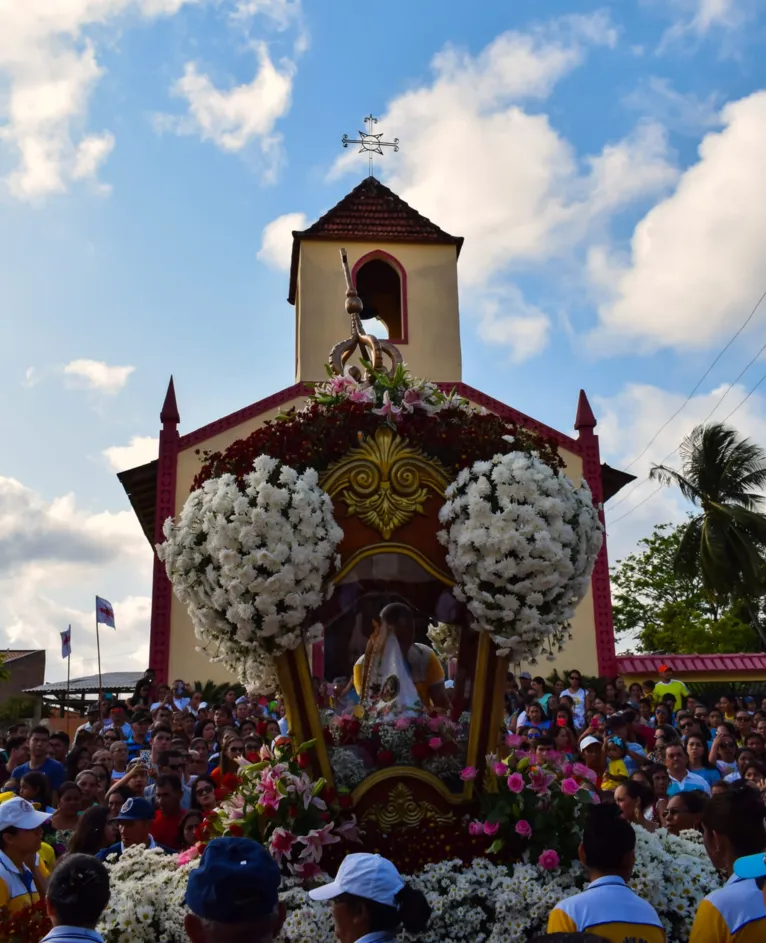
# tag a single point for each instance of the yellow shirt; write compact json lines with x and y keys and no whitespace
{"x":735,"y":913}
{"x":677,"y":688}
{"x":14,"y":894}
{"x":614,"y":768}
{"x":609,"y":909}
{"x":424,"y":675}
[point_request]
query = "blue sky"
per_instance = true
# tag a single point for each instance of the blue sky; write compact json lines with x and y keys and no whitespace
{"x":603,"y":161}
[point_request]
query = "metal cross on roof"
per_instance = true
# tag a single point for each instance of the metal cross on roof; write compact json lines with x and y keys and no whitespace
{"x":370,"y":143}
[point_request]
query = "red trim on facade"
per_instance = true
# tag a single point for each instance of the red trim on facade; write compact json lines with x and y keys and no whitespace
{"x":600,"y":587}
{"x":162,"y":590}
{"x":678,"y":664}
{"x":242,"y":415}
{"x":513,"y":415}
{"x":402,"y":272}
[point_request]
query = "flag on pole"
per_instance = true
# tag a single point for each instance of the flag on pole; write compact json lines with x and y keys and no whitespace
{"x":66,"y":643}
{"x":104,"y":612}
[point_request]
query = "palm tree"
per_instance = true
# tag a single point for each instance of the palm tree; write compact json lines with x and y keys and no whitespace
{"x":724,"y":476}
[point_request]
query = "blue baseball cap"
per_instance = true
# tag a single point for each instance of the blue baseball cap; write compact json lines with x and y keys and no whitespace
{"x":135,"y":810}
{"x":237,"y":881}
{"x":751,"y":866}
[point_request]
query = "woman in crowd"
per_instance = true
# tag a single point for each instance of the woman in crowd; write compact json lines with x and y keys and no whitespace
{"x":228,"y":763}
{"x":664,"y":734}
{"x":684,"y":812}
{"x":205,"y":729}
{"x":699,"y":761}
{"x":636,"y":801}
{"x":93,"y":833}
{"x":118,"y":796}
{"x":187,"y":829}
{"x":203,"y":794}
{"x":110,"y":736}
{"x":77,"y":760}
{"x":66,"y":818}
{"x":90,"y":789}
{"x":371,"y":901}
{"x":36,"y":788}
{"x":723,"y":752}
{"x":565,"y":742}
{"x":140,"y":696}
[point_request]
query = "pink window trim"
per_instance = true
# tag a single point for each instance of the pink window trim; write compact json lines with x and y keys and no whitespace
{"x":402,"y":272}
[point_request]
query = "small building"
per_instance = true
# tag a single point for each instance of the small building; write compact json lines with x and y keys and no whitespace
{"x":26,"y":669}
{"x":114,"y":684}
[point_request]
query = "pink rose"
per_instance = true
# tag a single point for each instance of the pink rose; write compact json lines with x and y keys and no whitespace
{"x":500,"y":769}
{"x":569,"y":787}
{"x":515,"y":782}
{"x":567,"y":769}
{"x":491,"y":828}
{"x":402,"y":723}
{"x":523,"y":829}
{"x":513,"y":740}
{"x":475,"y":828}
{"x":469,"y":774}
{"x":549,"y":860}
{"x":435,"y":743}
{"x":435,"y":724}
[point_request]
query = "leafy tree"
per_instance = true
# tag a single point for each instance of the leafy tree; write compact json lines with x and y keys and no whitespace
{"x":723,"y":475}
{"x":671,"y":611}
{"x":213,"y":693}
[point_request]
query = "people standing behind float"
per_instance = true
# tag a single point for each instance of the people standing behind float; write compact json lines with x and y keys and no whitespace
{"x":21,"y":835}
{"x":608,"y":907}
{"x":39,"y":761}
{"x":733,"y":827}
{"x":135,"y":823}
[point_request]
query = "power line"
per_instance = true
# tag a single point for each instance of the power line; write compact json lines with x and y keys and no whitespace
{"x":697,"y":385}
{"x":636,"y":506}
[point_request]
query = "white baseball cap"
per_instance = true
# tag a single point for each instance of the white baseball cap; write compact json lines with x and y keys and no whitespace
{"x":589,"y":742}
{"x":21,"y":814}
{"x":363,"y":875}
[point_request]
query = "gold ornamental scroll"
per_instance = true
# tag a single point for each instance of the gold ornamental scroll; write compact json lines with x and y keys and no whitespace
{"x":402,"y":810}
{"x":385,"y":481}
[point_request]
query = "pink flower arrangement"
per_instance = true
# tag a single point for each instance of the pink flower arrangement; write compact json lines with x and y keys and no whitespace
{"x":189,"y":855}
{"x":515,"y":783}
{"x":579,"y":769}
{"x":281,"y":843}
{"x":523,"y":829}
{"x":435,"y":743}
{"x":469,"y":774}
{"x":540,"y":781}
{"x":501,"y":769}
{"x":569,"y":787}
{"x":514,"y":740}
{"x":549,"y":860}
{"x":491,"y":828}
{"x":475,"y":828}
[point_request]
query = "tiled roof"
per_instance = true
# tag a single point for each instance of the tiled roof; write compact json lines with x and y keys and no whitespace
{"x":370,"y":213}
{"x":9,"y":656}
{"x":110,"y":681}
{"x":650,"y":664}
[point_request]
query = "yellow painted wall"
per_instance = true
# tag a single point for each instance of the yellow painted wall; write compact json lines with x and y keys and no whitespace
{"x":433,"y":348}
{"x":187,"y":663}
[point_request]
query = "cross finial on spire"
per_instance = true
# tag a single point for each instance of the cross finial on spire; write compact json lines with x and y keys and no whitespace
{"x":370,"y":143}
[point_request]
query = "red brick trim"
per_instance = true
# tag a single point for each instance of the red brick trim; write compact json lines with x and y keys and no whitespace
{"x":162,"y":590}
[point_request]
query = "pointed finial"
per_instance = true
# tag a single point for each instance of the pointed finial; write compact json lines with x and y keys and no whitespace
{"x":585,"y":418}
{"x":169,"y":414}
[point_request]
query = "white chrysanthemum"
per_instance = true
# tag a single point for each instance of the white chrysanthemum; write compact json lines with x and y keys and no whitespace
{"x":522,"y":541}
{"x":250,"y":562}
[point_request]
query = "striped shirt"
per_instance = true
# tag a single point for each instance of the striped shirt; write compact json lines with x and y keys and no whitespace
{"x":610,"y":909}
{"x":72,"y":935}
{"x":17,"y":887}
{"x":735,"y":913}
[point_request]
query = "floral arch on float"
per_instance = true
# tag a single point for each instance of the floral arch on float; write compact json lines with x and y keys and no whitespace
{"x":385,"y":488}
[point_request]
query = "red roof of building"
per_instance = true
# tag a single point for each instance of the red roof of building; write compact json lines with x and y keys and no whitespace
{"x":370,"y":212}
{"x":678,"y":664}
{"x":14,"y":654}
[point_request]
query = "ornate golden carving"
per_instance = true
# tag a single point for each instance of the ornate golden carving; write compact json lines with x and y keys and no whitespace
{"x":405,"y":811}
{"x":385,"y":481}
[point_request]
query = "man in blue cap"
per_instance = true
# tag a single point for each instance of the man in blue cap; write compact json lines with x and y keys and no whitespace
{"x":233,"y":895}
{"x":135,"y":823}
{"x":753,"y":867}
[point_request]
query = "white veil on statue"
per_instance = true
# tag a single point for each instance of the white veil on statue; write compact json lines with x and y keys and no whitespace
{"x":388,"y":688}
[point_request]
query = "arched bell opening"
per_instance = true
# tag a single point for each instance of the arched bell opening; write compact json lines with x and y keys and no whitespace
{"x":381,"y":285}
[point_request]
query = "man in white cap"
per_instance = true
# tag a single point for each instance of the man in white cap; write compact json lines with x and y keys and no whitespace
{"x":23,"y":875}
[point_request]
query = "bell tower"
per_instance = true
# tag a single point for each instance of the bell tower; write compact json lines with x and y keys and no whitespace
{"x":404,"y":268}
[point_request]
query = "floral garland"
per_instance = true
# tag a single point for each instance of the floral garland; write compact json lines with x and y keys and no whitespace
{"x":249,"y":557}
{"x":521,"y":541}
{"x":444,"y":425}
{"x":445,"y":638}
{"x":29,"y":925}
{"x":485,"y":900}
{"x":360,"y":745}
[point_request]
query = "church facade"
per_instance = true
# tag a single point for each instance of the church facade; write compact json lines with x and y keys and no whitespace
{"x":405,"y":269}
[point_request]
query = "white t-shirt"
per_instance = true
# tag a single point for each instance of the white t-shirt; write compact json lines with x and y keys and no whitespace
{"x":578,"y":711}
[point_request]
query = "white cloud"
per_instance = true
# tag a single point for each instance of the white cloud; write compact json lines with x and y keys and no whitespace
{"x":696,"y":263}
{"x":48,"y":71}
{"x":277,"y":240}
{"x":686,"y":113}
{"x":630,"y":419}
{"x":238,"y":116}
{"x":139,"y":451}
{"x":283,"y":13}
{"x":97,"y":375}
{"x":54,"y":558}
{"x":506,"y":319}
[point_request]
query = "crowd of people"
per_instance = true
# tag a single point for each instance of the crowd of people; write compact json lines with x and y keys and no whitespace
{"x":147,"y":771}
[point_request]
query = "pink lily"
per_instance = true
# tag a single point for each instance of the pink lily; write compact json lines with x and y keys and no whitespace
{"x":388,"y":408}
{"x":306,"y":870}
{"x":349,"y":830}
{"x":514,"y":740}
{"x":315,"y":841}
{"x":281,"y":844}
{"x":540,"y":781}
{"x":361,"y":395}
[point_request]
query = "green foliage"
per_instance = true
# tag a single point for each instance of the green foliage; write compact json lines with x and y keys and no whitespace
{"x":17,"y":706}
{"x":674,"y":611}
{"x":4,"y":672}
{"x":213,"y":693}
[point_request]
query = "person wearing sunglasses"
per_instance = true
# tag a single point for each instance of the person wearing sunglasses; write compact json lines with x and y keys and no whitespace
{"x":733,"y":828}
{"x":203,"y":794}
{"x":228,"y":764}
{"x":579,"y":698}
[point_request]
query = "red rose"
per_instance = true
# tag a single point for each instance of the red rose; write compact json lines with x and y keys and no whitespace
{"x":270,"y":812}
{"x":420,"y":751}
{"x":345,"y":801}
{"x":230,"y":781}
{"x":304,"y":760}
{"x":293,"y":811}
{"x":328,"y":794}
{"x":236,"y":831}
{"x":386,"y":757}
